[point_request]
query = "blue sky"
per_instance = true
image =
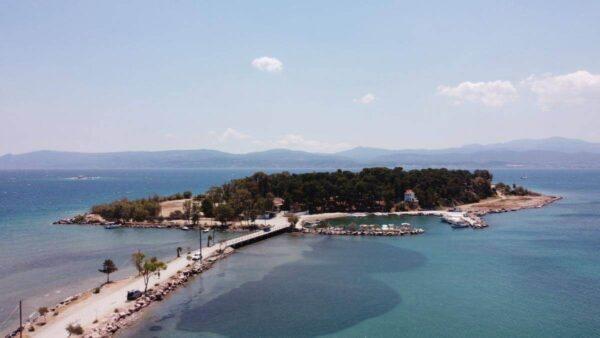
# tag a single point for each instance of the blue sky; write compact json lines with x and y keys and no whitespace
{"x":313,"y":75}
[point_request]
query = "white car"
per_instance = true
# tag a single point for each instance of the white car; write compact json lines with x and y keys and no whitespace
{"x":196,"y":256}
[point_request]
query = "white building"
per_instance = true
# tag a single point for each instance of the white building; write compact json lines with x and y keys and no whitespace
{"x":410,"y":197}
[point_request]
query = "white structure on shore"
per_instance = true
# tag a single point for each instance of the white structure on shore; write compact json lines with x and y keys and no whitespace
{"x":410,"y":197}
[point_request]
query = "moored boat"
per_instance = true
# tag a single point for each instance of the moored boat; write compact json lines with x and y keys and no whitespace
{"x":112,"y":226}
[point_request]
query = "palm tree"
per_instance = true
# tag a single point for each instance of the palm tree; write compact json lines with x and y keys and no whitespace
{"x":179,"y":249}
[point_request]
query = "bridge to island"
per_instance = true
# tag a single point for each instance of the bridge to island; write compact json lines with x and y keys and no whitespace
{"x":85,"y":309}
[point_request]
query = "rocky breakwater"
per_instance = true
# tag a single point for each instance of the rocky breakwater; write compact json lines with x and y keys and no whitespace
{"x":363,"y":232}
{"x":85,"y":219}
{"x":92,"y":219}
{"x":36,"y":320}
{"x":107,"y":327}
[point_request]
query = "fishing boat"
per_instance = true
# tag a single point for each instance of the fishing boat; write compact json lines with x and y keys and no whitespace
{"x":112,"y":226}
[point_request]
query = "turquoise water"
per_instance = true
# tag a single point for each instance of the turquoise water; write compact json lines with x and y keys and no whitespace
{"x":533,"y":273}
{"x":43,"y":263}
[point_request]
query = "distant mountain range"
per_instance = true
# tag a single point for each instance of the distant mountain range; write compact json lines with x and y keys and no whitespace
{"x":553,"y":152}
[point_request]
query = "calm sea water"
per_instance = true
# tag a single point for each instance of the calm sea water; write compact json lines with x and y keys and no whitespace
{"x":533,"y":273}
{"x":43,"y":263}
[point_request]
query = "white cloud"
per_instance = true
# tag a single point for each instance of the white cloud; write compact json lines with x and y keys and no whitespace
{"x":365,"y":99}
{"x":232,"y":134}
{"x":577,"y":88}
{"x":267,"y":64}
{"x":491,"y":94}
{"x":234,"y":138}
{"x":295,"y":141}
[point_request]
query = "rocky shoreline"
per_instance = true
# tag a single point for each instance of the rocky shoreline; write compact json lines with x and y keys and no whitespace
{"x":180,"y":224}
{"x":148,"y":225}
{"x":508,"y":204}
{"x":122,"y":317}
{"x":472,"y":211}
{"x":467,"y":215}
{"x":338,"y":231}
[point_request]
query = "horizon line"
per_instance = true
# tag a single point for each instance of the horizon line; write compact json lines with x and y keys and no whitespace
{"x":297,"y":150}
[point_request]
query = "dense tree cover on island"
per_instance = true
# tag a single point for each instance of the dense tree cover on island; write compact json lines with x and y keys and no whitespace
{"x":124,"y":209}
{"x":371,"y":189}
{"x":137,"y":210}
{"x":515,"y":190}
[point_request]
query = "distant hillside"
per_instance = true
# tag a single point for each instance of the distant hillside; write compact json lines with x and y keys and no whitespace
{"x":546,"y":153}
{"x":280,"y":158}
{"x":365,"y":153}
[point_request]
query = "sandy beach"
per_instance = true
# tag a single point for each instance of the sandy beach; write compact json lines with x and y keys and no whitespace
{"x":90,"y":308}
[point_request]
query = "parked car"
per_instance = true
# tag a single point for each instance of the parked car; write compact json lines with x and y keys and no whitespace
{"x":196,"y":256}
{"x":134,"y":294}
{"x":267,"y":229}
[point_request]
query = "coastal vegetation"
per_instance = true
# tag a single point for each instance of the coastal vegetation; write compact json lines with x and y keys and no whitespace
{"x":370,"y":190}
{"x":137,"y":258}
{"x":108,"y":267}
{"x":43,"y":310}
{"x":147,"y":267}
{"x":293,"y":219}
{"x":515,"y":190}
{"x":74,"y":329}
{"x":140,"y":209}
{"x":137,"y":210}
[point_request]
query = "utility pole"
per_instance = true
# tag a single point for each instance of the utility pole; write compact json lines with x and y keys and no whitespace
{"x":21,"y":318}
{"x":200,"y":237}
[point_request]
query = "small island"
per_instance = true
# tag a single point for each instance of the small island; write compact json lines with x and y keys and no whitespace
{"x":460,"y":196}
{"x":273,"y":203}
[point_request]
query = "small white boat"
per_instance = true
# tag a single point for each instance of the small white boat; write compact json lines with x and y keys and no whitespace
{"x":205,"y":230}
{"x":185,"y":228}
{"x":112,"y":226}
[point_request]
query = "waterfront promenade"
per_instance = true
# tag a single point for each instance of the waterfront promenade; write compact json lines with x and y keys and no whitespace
{"x":113,"y":296}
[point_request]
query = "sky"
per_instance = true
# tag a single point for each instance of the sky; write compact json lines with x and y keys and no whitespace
{"x":240,"y":76}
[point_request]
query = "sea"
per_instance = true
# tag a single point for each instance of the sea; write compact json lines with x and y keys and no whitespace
{"x":531,"y":273}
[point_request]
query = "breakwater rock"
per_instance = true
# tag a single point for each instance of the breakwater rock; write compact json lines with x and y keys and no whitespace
{"x":124,"y":317}
{"x":366,"y":232}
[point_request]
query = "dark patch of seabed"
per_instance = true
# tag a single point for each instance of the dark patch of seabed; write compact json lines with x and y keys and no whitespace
{"x":330,"y":289}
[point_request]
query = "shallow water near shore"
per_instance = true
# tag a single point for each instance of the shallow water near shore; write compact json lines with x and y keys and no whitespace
{"x":43,"y":263}
{"x":531,"y":273}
